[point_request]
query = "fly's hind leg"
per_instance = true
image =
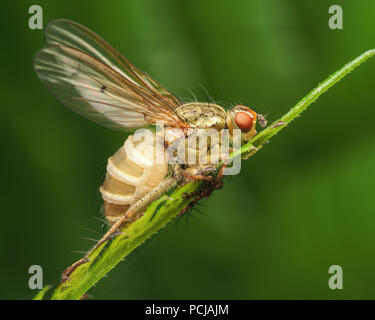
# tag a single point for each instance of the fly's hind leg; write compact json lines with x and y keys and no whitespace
{"x":137,"y":208}
{"x":134,"y":210}
{"x":142,"y":203}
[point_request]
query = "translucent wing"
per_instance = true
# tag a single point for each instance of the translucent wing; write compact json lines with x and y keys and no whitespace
{"x":93,"y":79}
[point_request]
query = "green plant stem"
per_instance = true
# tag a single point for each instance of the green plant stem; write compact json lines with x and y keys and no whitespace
{"x":41,"y":293}
{"x":259,"y":140}
{"x":110,"y":253}
{"x":160,"y":212}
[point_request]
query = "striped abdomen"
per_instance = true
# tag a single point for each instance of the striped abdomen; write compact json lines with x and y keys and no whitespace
{"x":132,"y":172}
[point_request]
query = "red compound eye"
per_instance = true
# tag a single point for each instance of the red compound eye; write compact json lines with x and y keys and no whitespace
{"x":243,"y":121}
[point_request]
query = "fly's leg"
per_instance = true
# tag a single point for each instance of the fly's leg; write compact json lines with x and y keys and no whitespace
{"x":221,"y":172}
{"x":212,"y":184}
{"x":203,"y":173}
{"x":138,"y":206}
{"x":189,"y":175}
{"x":134,"y":210}
{"x":142,"y":203}
{"x":194,"y":173}
{"x":199,"y":195}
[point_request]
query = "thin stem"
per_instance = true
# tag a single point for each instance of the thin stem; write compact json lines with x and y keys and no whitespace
{"x":41,"y":293}
{"x":259,"y":140}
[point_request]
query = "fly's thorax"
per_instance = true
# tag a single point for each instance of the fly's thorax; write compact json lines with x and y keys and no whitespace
{"x":132,"y":172}
{"x":199,"y":146}
{"x":203,"y":115}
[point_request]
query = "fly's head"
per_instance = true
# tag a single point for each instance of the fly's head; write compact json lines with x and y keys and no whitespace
{"x":245,"y":119}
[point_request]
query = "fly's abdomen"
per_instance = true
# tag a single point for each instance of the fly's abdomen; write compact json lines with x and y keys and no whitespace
{"x":132,"y":172}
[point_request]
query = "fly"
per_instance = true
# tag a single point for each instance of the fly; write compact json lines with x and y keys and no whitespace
{"x":93,"y":79}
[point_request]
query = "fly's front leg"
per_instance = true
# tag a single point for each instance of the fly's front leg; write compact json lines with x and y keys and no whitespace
{"x":198,"y":173}
{"x":189,"y":175}
{"x":210,"y":187}
{"x":202,"y":173}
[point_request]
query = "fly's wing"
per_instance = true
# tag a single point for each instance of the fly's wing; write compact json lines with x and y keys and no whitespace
{"x":93,"y":79}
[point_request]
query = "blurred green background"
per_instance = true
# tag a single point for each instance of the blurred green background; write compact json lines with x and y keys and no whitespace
{"x":302,"y":204}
